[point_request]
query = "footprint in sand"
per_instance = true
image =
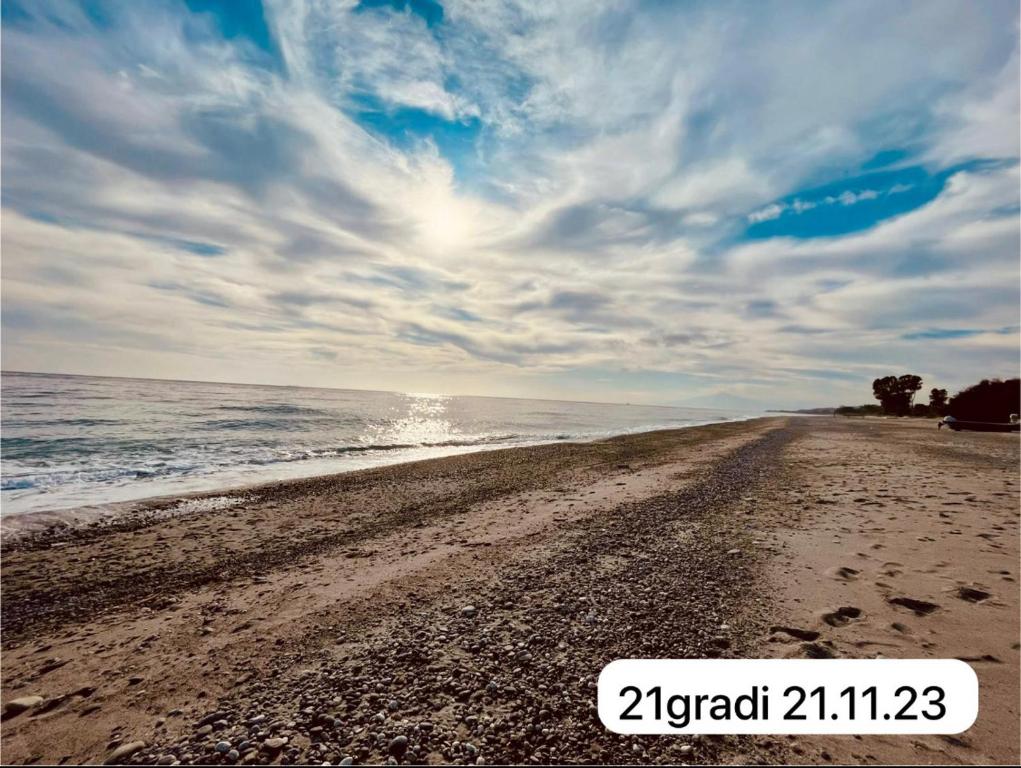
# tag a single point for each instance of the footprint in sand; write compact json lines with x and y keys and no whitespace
{"x":800,"y":634}
{"x":972,"y":595}
{"x":843,"y":573}
{"x":842,"y":616}
{"x":988,"y":658}
{"x":920,"y":607}
{"x":818,"y":651}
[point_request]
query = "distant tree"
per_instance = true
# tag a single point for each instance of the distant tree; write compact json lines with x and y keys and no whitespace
{"x":921,"y":410}
{"x":896,"y":393}
{"x":938,"y":401}
{"x":858,"y":410}
{"x":885,"y":391}
{"x":989,"y":400}
{"x":909,"y":384}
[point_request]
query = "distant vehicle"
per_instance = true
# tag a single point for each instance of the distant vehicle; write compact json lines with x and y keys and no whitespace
{"x":980,"y":426}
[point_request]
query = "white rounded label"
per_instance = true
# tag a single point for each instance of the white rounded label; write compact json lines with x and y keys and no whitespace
{"x":780,"y":696}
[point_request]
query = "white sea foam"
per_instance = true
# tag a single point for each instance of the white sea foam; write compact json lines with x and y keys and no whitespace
{"x":77,"y":441}
{"x":207,"y":504}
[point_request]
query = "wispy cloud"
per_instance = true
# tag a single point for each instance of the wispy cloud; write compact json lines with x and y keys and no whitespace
{"x":654,"y":201}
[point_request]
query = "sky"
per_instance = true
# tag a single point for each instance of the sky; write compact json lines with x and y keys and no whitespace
{"x":697,"y":203}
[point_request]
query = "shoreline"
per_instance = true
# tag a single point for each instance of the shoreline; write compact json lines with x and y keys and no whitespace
{"x":338,"y":509}
{"x":32,"y":522}
{"x":216,"y":436}
{"x":468,"y":603}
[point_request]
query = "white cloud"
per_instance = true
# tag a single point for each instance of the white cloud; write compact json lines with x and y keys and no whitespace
{"x":847,"y":197}
{"x":593,"y":224}
{"x":770,"y":212}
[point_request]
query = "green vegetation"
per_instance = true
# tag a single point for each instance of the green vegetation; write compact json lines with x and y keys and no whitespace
{"x":989,"y":400}
{"x":896,"y":394}
{"x":858,"y":410}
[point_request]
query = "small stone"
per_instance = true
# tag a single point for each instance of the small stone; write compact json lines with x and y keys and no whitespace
{"x":469,"y":611}
{"x":687,"y":749}
{"x":399,"y":746}
{"x":17,"y":706}
{"x":733,"y":551}
{"x":123,"y":752}
{"x":222,"y":747}
{"x":274,"y":744}
{"x":166,"y":760}
{"x":211,"y":718}
{"x":348,"y":760}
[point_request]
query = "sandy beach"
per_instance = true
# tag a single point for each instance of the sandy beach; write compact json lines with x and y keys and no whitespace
{"x":460,"y":609}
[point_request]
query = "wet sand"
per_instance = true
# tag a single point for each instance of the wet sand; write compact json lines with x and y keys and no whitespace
{"x":460,"y":609}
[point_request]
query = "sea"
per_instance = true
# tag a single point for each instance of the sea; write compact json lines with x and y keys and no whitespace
{"x":78,"y":441}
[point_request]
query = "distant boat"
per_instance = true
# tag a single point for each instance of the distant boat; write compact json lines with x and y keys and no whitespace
{"x":980,"y":426}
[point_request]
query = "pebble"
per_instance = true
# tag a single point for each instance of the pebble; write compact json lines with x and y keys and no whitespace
{"x":211,"y":718}
{"x":15,"y":707}
{"x":399,"y":746}
{"x":123,"y":752}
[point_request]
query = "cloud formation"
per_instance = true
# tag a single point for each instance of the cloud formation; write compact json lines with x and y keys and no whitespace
{"x":762,"y":203}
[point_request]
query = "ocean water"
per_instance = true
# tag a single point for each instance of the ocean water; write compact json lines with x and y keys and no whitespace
{"x":73,"y":441}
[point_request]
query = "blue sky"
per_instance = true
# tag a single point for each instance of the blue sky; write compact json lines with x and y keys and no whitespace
{"x":747,"y":204}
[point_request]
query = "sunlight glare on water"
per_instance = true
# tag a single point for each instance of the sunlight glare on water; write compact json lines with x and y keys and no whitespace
{"x":70,"y":441}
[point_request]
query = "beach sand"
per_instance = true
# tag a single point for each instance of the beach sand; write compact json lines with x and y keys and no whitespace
{"x":460,"y":609}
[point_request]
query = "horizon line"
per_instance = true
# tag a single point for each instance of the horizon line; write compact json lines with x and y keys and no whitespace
{"x":356,"y":389}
